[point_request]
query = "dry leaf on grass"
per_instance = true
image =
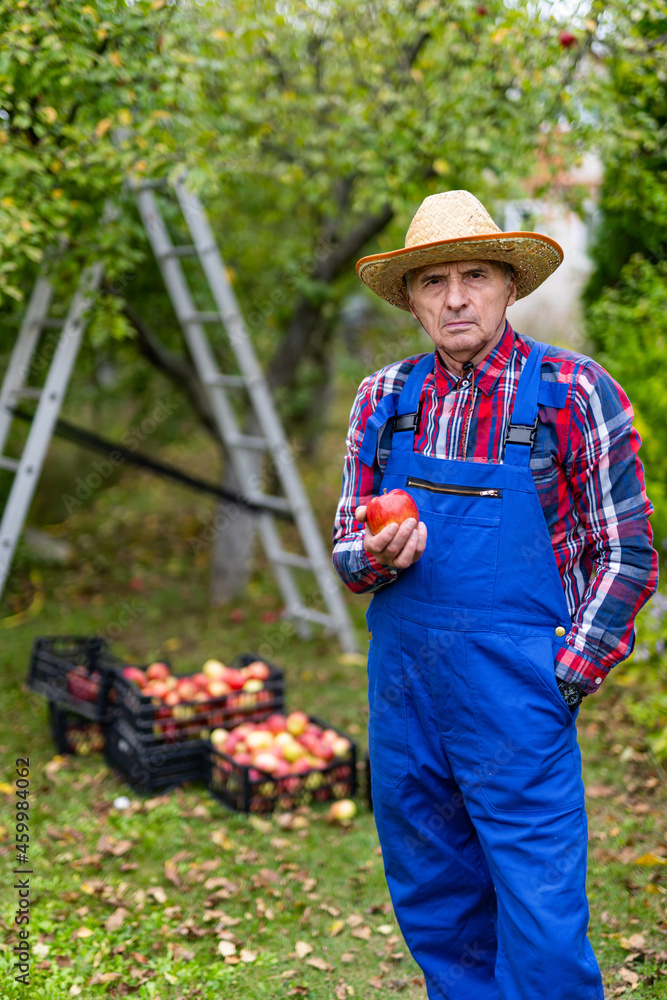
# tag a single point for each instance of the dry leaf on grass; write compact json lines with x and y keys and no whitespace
{"x":171,"y":873}
{"x":635,"y":942}
{"x":376,"y":983}
{"x":347,"y":957}
{"x":384,"y":929}
{"x":336,"y":927}
{"x":115,"y":921}
{"x":158,"y":893}
{"x":220,"y":839}
{"x":354,"y":920}
{"x":83,"y":932}
{"x":247,"y":955}
{"x":302,"y":948}
{"x":319,"y":963}
{"x":362,"y":932}
{"x":226,"y":948}
{"x":650,"y":859}
{"x":104,"y":977}
{"x":628,"y":976}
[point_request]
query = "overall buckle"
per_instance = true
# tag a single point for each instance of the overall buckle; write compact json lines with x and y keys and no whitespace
{"x":522,"y":434}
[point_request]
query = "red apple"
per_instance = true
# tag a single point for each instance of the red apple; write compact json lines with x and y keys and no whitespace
{"x":276,"y":723}
{"x":390,"y":508}
{"x":266,"y":761}
{"x":157,"y":689}
{"x":242,"y":757}
{"x":237,"y":615}
{"x":235,"y":678}
{"x":186,"y":689}
{"x":83,"y":685}
{"x":157,"y":671}
{"x":567,"y":39}
{"x":200,"y":680}
{"x":296,"y":723}
{"x":259,"y":670}
{"x":135,"y":675}
{"x":340,"y":747}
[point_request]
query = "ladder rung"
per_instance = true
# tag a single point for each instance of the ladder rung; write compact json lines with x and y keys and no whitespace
{"x":50,"y":323}
{"x":203,"y":317}
{"x":311,"y":615}
{"x":278,"y":503}
{"x":184,"y":251}
{"x":30,"y":392}
{"x":11,"y":464}
{"x":227,"y":381}
{"x":292,"y":559}
{"x":247,"y":441}
{"x":160,"y":182}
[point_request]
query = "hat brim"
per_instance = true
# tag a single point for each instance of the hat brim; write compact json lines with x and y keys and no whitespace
{"x":533,"y":256}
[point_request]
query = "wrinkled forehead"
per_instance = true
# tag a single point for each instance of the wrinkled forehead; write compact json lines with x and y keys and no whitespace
{"x":457,"y":267}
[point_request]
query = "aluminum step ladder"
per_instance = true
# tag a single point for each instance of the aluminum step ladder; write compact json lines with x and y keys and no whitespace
{"x":243,"y":449}
{"x":25,"y":356}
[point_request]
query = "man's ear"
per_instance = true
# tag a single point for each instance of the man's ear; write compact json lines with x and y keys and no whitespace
{"x":512,"y":294}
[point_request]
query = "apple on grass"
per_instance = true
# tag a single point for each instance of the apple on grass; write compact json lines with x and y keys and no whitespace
{"x":390,"y":508}
{"x":342,"y":811}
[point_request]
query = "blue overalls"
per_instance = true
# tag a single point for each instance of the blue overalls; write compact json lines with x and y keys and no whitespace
{"x":476,"y":773}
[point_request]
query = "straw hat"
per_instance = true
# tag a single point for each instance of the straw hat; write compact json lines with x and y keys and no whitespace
{"x":454,"y":225}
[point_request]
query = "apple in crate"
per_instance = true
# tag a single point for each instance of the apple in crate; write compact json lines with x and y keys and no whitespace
{"x":83,"y":685}
{"x":214,"y":670}
{"x":296,"y":723}
{"x":157,"y":671}
{"x":135,"y":675}
{"x":390,"y":508}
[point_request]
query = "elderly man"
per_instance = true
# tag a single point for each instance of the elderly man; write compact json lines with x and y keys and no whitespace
{"x":510,"y":600}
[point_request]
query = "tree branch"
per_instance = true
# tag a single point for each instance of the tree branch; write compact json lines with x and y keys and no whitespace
{"x":178,"y":367}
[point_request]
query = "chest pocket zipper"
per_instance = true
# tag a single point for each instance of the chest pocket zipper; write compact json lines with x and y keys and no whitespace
{"x":454,"y":490}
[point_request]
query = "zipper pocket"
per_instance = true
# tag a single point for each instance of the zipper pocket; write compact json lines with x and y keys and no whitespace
{"x":453,"y":490}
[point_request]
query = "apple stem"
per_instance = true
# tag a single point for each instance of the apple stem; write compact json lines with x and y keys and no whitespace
{"x":384,"y":490}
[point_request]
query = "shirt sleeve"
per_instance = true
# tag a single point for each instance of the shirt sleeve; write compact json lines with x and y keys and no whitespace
{"x":358,"y":569}
{"x":607,"y":482}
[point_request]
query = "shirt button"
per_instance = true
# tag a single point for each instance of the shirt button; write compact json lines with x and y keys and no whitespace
{"x":559,"y":630}
{"x":598,"y":680}
{"x":465,"y":383}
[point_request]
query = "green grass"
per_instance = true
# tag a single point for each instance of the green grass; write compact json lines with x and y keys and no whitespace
{"x":283,"y":885}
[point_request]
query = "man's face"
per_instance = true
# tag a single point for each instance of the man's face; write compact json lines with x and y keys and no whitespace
{"x":461,"y":305}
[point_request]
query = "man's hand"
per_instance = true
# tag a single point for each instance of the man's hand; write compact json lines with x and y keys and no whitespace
{"x":397,"y":545}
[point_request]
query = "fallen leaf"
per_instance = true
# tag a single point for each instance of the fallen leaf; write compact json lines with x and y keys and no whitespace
{"x":158,"y":893}
{"x":650,"y":859}
{"x":354,"y":920}
{"x":347,"y":957}
{"x":54,"y":765}
{"x":635,"y":942}
{"x":261,"y":825}
{"x":226,"y":948}
{"x":302,"y":948}
{"x":104,"y":977}
{"x":384,"y":929}
{"x":115,"y":921}
{"x":75,"y":991}
{"x":376,"y":983}
{"x":40,"y":950}
{"x":248,"y":956}
{"x":288,"y":973}
{"x":171,"y":873}
{"x":362,"y":932}
{"x":336,"y":927}
{"x":220,"y":839}
{"x":83,"y":932}
{"x":628,"y":975}
{"x":600,"y":791}
{"x":319,"y":963}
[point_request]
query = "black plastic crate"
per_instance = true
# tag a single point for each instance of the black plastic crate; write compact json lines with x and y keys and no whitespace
{"x":74,"y":671}
{"x":153,"y":768}
{"x":74,"y":733}
{"x":231,"y":783}
{"x":154,"y":722}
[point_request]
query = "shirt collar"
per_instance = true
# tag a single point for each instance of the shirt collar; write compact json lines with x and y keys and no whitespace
{"x":487,"y":372}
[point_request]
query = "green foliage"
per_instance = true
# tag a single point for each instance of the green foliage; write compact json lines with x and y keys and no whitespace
{"x":628,"y":323}
{"x":647,"y":674}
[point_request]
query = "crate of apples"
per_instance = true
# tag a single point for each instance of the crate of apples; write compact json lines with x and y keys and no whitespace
{"x":281,"y":762}
{"x":163,"y":705}
{"x":74,"y":671}
{"x":74,"y":733}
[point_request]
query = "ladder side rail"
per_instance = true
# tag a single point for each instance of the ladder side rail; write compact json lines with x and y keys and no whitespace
{"x":286,"y":582}
{"x":41,"y":430}
{"x":200,"y":349}
{"x":24,"y":349}
{"x":263,"y":405}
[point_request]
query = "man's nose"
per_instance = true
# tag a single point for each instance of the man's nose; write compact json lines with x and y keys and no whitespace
{"x":456,"y":296}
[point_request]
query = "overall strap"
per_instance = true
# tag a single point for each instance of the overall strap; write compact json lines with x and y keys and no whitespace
{"x":523,"y":422}
{"x":407,"y":411}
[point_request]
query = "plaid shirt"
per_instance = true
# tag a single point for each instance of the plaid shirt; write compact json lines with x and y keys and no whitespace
{"x":588,"y":476}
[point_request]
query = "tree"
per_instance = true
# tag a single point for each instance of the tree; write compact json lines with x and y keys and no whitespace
{"x":627,"y":293}
{"x":314,"y":130}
